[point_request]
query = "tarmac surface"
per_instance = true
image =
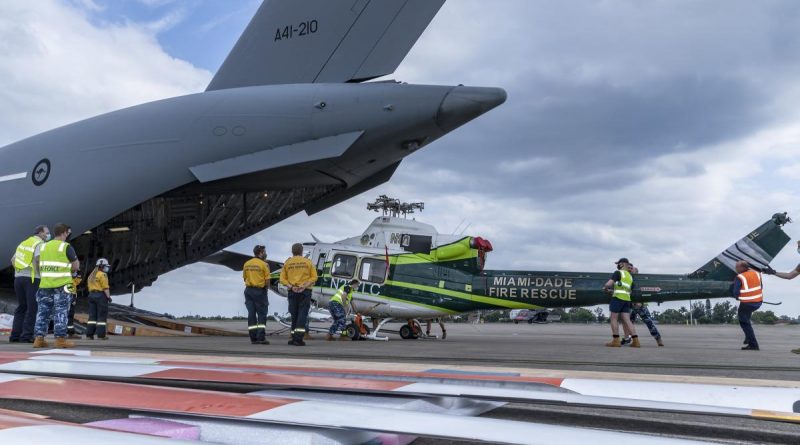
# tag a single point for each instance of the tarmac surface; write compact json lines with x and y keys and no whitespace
{"x":697,"y":354}
{"x":710,"y":350}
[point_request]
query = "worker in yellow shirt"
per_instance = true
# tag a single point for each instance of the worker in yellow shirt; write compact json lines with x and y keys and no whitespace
{"x":299,"y":275}
{"x":99,"y":297}
{"x":256,"y":300}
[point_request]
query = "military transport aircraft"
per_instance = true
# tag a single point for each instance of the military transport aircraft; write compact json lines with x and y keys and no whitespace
{"x":410,"y":271}
{"x":287,"y":124}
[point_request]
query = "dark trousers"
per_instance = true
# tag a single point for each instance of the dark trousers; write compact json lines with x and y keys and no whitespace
{"x":71,"y":316}
{"x":745,"y":312}
{"x":25,"y":315}
{"x":256,"y":301}
{"x":299,"y":303}
{"x":98,"y":314}
{"x":647,"y":319}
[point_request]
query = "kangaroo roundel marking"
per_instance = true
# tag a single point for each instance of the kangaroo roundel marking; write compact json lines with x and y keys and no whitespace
{"x":41,"y":172}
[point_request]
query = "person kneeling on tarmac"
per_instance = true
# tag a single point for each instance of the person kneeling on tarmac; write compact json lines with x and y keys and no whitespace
{"x":343,"y":298}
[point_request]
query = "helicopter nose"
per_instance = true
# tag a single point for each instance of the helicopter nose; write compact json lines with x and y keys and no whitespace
{"x":462,"y":104}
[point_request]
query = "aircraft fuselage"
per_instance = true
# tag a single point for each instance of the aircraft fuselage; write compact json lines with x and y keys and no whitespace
{"x":163,"y":184}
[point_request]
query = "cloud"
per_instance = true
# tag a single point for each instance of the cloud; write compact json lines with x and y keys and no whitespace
{"x":662,"y":132}
{"x":57,"y":67}
{"x":167,"y":21}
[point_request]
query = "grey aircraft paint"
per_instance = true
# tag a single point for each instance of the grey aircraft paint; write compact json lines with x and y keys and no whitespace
{"x":165,"y":184}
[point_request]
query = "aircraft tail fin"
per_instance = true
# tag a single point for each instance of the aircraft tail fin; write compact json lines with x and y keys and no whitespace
{"x":758,"y":248}
{"x":324,"y":41}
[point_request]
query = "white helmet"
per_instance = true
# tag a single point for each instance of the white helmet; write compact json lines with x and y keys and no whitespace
{"x":102,"y":262}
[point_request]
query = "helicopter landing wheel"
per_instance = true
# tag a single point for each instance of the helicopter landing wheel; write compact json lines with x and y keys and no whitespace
{"x":406,"y":333}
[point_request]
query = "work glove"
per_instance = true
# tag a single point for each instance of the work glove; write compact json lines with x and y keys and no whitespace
{"x":768,"y":270}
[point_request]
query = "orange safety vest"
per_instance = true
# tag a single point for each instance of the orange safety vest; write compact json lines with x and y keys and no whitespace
{"x":751,"y":287}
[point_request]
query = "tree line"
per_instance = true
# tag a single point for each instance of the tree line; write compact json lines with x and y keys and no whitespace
{"x":721,"y":312}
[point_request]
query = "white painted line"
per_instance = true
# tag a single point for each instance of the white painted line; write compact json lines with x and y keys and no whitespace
{"x":13,"y":177}
{"x":748,"y":397}
{"x":78,"y":435}
{"x":75,"y":368}
{"x":12,"y":377}
{"x":76,"y":352}
{"x":368,"y":418}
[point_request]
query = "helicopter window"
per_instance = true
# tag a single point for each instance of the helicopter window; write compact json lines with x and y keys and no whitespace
{"x":373,"y":270}
{"x":344,"y":266}
{"x":321,"y":262}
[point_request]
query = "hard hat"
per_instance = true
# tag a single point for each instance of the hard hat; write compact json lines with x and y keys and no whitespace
{"x":623,"y":260}
{"x":102,"y":262}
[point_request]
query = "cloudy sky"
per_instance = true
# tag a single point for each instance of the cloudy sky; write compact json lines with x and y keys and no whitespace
{"x":662,"y":131}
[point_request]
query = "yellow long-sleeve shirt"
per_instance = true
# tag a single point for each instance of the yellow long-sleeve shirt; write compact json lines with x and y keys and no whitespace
{"x":297,"y":271}
{"x":255,"y":273}
{"x":100,"y":282}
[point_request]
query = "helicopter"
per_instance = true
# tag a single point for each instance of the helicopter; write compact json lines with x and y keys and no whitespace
{"x":409,"y":271}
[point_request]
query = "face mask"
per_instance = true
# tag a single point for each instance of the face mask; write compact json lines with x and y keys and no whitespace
{"x":106,"y":269}
{"x":48,"y":237}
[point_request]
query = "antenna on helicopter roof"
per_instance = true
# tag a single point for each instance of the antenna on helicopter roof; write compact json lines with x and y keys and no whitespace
{"x":393,"y":207}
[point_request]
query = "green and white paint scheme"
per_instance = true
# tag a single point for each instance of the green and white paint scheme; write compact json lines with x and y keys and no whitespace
{"x":409,"y":270}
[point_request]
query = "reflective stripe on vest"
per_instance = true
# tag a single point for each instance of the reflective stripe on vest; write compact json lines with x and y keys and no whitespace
{"x":750,"y":291}
{"x":23,"y":258}
{"x":55,"y":267}
{"x":622,"y":288}
{"x":337,"y":297}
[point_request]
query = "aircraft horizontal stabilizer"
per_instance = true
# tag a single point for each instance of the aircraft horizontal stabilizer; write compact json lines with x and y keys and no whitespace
{"x":235,"y":260}
{"x":345,"y":194}
{"x":324,"y":41}
{"x":306,"y":151}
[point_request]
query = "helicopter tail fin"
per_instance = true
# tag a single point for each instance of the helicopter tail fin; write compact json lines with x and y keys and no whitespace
{"x":758,"y":248}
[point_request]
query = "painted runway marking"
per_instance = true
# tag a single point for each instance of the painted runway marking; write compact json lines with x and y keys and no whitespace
{"x":13,"y":177}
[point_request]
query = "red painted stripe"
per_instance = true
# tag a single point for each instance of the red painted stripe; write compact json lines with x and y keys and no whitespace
{"x":274,"y":379}
{"x":554,"y":381}
{"x":8,"y":357}
{"x":128,"y":396}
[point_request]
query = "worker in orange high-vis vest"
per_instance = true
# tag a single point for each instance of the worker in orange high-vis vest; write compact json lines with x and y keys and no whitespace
{"x":747,"y":289}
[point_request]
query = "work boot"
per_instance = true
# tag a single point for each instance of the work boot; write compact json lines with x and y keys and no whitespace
{"x":796,"y":351}
{"x":40,"y":343}
{"x":750,"y":348}
{"x":307,"y":336}
{"x":62,"y":343}
{"x":660,"y":343}
{"x":635,"y":342}
{"x":614,"y":343}
{"x":102,"y":338}
{"x":329,"y":337}
{"x":444,"y":334}
{"x":90,"y":337}
{"x":71,"y":336}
